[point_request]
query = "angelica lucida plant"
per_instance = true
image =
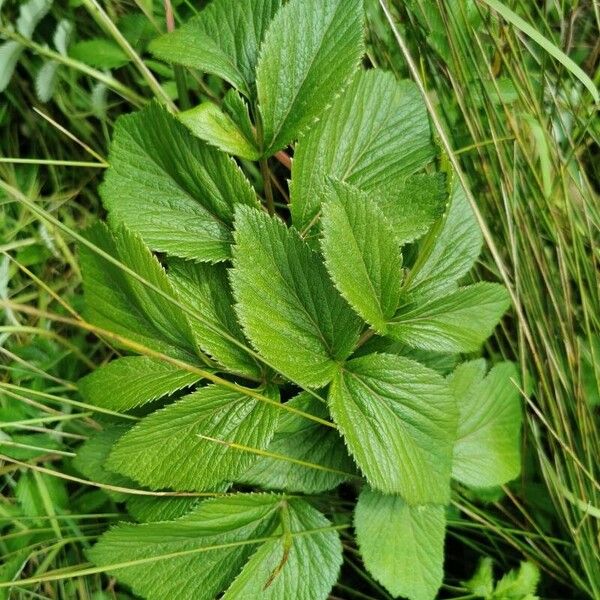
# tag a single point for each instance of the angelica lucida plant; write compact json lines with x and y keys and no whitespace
{"x":299,"y":352}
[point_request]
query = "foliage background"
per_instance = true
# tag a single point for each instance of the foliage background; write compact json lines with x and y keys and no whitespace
{"x":525,"y":132}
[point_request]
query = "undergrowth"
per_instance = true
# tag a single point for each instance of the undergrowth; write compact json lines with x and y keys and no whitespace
{"x":521,"y":127}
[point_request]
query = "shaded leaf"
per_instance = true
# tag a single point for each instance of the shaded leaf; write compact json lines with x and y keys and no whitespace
{"x":450,"y":252}
{"x":205,"y":289}
{"x":150,"y":509}
{"x":118,"y":302}
{"x":300,"y":439}
{"x":92,"y":455}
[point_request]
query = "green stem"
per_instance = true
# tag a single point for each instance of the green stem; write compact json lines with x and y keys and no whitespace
{"x":182,"y":93}
{"x":266,"y":175}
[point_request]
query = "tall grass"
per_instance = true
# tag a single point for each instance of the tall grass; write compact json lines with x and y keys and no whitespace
{"x":525,"y":131}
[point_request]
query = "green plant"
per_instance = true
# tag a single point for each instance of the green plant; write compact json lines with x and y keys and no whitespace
{"x":322,"y":337}
{"x":521,"y":121}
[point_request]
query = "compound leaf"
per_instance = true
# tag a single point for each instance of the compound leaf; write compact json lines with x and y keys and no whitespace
{"x":361,"y":254}
{"x":175,"y":190}
{"x":194,"y":557}
{"x":457,"y":322}
{"x":303,"y":567}
{"x":399,"y":421}
{"x":117,"y":301}
{"x":224,"y":39}
{"x":302,"y":441}
{"x":193,"y":434}
{"x":283,"y":547}
{"x":402,"y":546}
{"x":374,"y":136}
{"x":132,"y":381}
{"x":486,"y":452}
{"x":286,"y":302}
{"x":309,"y":52}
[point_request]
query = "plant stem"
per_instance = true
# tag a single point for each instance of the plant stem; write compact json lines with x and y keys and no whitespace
{"x":266,"y":175}
{"x":182,"y":92}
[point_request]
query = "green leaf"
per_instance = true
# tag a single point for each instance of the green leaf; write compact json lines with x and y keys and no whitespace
{"x":487,"y":449}
{"x":178,"y":435}
{"x":132,"y":381}
{"x":302,"y":567}
{"x":519,"y":584}
{"x":150,"y":509}
{"x":361,"y":254}
{"x":10,"y":52}
{"x":208,"y":122}
{"x":207,"y":568}
{"x":205,"y":289}
{"x":311,"y":49}
{"x":402,"y":546}
{"x":224,"y":39}
{"x":298,"y":439}
{"x":374,"y":136}
{"x":286,"y":302}
{"x":277,"y":547}
{"x":176,"y":191}
{"x":45,"y":81}
{"x":91,"y":458}
{"x":399,"y":421}
{"x":482,"y":582}
{"x":118,"y":302}
{"x":236,"y":107}
{"x":99,"y":53}
{"x":448,"y":252}
{"x":413,"y":205}
{"x":458,"y":322}
{"x":62,"y":36}
{"x":30,"y":14}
